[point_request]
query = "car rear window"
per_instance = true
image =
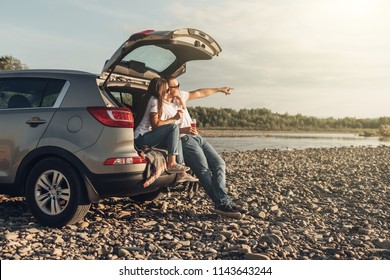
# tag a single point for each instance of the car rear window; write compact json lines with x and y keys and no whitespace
{"x":154,"y":57}
{"x":29,"y":92}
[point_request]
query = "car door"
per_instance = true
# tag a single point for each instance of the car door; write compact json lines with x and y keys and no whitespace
{"x":151,"y":54}
{"x":26,"y":108}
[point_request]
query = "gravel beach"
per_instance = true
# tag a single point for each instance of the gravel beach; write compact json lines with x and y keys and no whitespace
{"x":302,"y":204}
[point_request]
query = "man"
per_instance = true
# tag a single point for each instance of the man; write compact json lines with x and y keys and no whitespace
{"x":198,"y":154}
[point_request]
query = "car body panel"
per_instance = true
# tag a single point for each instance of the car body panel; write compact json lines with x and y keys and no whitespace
{"x":122,"y":145}
{"x":127,"y":184}
{"x":72,"y":129}
{"x":19,"y":138}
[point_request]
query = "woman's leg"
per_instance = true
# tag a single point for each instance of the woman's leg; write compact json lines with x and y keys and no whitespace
{"x":166,"y":136}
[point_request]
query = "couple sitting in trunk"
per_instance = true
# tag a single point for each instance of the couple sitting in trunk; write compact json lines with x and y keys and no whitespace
{"x":167,"y":123}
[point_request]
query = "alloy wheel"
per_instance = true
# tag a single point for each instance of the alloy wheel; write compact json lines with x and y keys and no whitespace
{"x":52,"y":192}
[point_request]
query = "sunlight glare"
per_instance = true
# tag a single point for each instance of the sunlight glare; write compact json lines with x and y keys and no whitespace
{"x":356,"y":8}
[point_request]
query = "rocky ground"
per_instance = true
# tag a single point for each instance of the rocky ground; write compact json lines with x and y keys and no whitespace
{"x":303,"y":204}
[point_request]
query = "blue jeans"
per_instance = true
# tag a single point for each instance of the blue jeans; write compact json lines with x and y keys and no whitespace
{"x":166,"y":137}
{"x":208,"y":166}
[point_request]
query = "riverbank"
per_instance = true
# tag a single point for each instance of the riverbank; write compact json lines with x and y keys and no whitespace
{"x":255,"y":133}
{"x":303,"y":204}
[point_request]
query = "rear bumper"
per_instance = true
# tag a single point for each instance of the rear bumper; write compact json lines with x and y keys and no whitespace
{"x":126,"y":184}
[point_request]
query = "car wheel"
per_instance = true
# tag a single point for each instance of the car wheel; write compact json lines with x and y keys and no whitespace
{"x":55,"y":193}
{"x":147,"y":197}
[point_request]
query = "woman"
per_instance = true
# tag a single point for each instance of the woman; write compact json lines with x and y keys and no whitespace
{"x":152,"y":131}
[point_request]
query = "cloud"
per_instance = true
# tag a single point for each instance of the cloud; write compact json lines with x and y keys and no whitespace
{"x":296,"y":55}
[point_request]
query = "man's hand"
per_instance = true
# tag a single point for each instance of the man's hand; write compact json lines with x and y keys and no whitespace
{"x":189,"y":130}
{"x":226,"y":90}
{"x":193,"y":131}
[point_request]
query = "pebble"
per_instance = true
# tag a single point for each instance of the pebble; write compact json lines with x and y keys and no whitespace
{"x":57,"y":252}
{"x":259,"y":214}
{"x":123,"y":253}
{"x":253,"y":256}
{"x":185,"y":243}
{"x":302,"y":204}
{"x":384,"y":244}
{"x":11,"y":236}
{"x":83,"y":225}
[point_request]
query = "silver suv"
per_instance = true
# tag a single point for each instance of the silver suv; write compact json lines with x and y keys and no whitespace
{"x":66,"y":137}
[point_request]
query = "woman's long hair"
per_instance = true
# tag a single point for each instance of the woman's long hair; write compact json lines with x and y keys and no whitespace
{"x":156,"y":88}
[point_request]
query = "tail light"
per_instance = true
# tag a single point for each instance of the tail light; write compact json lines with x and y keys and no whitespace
{"x":124,"y":160}
{"x":113,"y":116}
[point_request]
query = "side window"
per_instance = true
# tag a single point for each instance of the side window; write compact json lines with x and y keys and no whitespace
{"x":21,"y":93}
{"x":124,"y":98}
{"x":29,"y":92}
{"x":135,"y":100}
{"x":52,"y":92}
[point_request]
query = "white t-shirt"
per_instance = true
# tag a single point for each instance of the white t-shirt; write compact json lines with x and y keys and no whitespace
{"x":170,"y":110}
{"x":145,"y":125}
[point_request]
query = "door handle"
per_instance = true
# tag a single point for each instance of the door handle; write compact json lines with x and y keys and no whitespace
{"x":35,"y":121}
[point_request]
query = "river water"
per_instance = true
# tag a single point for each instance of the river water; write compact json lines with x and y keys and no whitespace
{"x":287,"y":140}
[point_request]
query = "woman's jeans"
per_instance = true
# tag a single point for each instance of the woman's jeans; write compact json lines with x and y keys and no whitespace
{"x":165,"y":136}
{"x":208,"y":166}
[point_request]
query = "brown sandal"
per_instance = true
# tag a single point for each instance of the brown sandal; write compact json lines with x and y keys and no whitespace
{"x":178,"y":168}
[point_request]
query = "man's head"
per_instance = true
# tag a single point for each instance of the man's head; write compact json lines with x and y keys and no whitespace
{"x":173,"y":85}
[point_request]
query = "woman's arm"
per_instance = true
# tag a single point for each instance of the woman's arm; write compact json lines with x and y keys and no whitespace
{"x":155,"y":121}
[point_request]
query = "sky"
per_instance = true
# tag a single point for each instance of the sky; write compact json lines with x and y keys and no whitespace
{"x":322,"y":58}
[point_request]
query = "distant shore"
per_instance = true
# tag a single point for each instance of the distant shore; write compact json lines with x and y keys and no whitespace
{"x":221,"y":132}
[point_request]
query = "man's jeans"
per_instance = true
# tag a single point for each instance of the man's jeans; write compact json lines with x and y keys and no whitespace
{"x":208,"y":166}
{"x":165,"y":136}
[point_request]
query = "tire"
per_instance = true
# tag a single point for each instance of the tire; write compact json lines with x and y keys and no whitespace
{"x":147,"y":197}
{"x":56,"y":193}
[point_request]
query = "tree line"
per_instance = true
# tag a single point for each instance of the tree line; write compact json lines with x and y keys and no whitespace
{"x":265,"y":119}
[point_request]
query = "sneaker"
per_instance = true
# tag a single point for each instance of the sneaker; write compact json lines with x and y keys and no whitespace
{"x":240,"y":208}
{"x":227,"y":211}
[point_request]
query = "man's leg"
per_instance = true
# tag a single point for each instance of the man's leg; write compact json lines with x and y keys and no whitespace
{"x":218,"y":170}
{"x":196,"y":158}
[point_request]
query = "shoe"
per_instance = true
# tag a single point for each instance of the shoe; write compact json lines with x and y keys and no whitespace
{"x":227,"y":211}
{"x":187,"y":178}
{"x":178,"y":168}
{"x":240,"y":208}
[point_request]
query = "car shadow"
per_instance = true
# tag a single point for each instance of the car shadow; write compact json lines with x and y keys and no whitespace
{"x":14,"y":212}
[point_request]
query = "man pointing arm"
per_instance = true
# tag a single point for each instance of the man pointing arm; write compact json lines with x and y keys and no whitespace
{"x":205,"y":92}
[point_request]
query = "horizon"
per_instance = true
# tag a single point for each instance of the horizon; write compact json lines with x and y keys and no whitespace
{"x":324,"y":58}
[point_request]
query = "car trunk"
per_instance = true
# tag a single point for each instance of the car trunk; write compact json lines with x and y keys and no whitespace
{"x":151,"y":54}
